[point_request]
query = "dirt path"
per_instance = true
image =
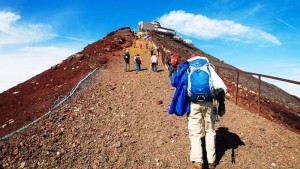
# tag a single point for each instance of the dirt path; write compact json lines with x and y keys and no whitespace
{"x":119,"y":119}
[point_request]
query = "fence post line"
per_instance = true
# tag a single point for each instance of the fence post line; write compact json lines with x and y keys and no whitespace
{"x":259,"y":83}
{"x":237,"y":87}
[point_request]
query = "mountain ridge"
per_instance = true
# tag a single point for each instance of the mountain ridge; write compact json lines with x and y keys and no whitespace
{"x":120,"y":120}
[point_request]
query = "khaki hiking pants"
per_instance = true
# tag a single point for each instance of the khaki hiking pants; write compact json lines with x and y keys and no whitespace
{"x":127,"y":66}
{"x":201,"y":122}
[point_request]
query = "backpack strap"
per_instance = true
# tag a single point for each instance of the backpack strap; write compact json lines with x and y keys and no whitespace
{"x":205,"y":68}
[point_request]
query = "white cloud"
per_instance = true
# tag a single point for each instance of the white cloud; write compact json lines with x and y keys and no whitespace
{"x":296,"y":71}
{"x":6,"y":19}
{"x":291,"y":88}
{"x":12,"y":32}
{"x":22,"y":64}
{"x":188,"y":41}
{"x":202,"y":27}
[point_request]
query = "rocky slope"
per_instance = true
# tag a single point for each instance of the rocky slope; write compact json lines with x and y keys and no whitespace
{"x":29,"y":100}
{"x":119,"y":119}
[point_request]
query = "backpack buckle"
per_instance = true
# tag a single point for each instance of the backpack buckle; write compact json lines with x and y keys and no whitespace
{"x":200,"y":98}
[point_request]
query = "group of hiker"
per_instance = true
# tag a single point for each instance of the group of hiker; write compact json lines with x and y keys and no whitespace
{"x":199,"y":94}
{"x":138,"y":61}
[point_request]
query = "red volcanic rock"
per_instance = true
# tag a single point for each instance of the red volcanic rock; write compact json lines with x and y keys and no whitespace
{"x":29,"y":100}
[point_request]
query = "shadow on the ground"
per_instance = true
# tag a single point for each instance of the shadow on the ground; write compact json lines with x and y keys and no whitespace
{"x":226,"y":140}
{"x":143,"y":69}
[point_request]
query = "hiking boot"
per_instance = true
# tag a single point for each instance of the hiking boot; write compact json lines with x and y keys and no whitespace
{"x":197,"y":165}
{"x":211,"y":166}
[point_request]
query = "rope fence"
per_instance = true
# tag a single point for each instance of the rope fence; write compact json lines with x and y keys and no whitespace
{"x":54,"y":106}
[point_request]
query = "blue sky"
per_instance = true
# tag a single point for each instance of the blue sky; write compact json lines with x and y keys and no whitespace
{"x":258,"y":36}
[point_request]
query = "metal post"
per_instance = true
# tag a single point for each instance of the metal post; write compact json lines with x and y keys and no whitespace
{"x":237,"y":88}
{"x":259,"y":82}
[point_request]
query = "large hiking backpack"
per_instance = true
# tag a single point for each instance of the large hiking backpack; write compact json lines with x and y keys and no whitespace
{"x":138,"y":60}
{"x":174,"y":61}
{"x":199,"y":80}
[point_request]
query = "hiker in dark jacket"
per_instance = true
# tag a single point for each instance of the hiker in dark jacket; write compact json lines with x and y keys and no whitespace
{"x":151,"y":51}
{"x":157,"y":49}
{"x":127,"y":59}
{"x":138,"y":62}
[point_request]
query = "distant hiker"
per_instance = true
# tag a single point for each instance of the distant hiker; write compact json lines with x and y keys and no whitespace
{"x":146,"y":45}
{"x":168,"y":62}
{"x":196,"y":85}
{"x":141,"y":45}
{"x":127,"y":59}
{"x":157,"y":49}
{"x":154,"y":62}
{"x":172,"y":63}
{"x":151,"y":51}
{"x":138,"y":62}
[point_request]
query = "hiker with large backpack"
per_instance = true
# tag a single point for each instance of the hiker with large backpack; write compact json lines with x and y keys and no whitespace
{"x":138,"y":62}
{"x":196,"y":83}
{"x":127,"y":59}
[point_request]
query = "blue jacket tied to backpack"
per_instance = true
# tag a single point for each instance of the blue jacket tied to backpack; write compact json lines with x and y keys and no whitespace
{"x":180,"y":102}
{"x":205,"y":79}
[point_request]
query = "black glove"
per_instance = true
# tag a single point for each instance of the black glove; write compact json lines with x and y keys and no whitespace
{"x":221,"y":110}
{"x":219,"y":95}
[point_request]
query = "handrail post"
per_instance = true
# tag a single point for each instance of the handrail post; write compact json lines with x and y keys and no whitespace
{"x":259,"y":83}
{"x":237,"y":87}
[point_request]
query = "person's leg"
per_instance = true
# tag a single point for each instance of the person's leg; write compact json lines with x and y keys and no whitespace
{"x":195,"y":127}
{"x":126,"y":66}
{"x":136,"y":67}
{"x":173,"y":70}
{"x":170,"y":71}
{"x":210,"y":137}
